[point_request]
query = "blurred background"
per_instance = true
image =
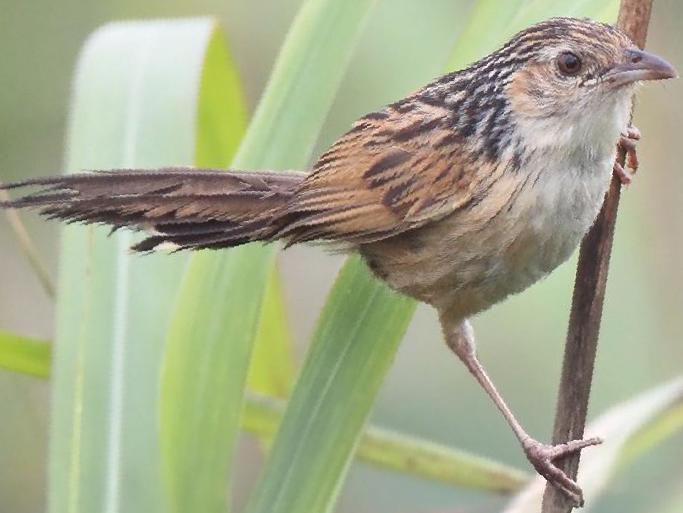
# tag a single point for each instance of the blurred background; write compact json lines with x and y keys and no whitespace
{"x":428,"y":393}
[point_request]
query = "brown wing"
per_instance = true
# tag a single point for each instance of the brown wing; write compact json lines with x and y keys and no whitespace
{"x":394,"y":171}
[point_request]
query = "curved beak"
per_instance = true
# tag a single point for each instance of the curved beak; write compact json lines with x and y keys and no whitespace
{"x":639,"y":65}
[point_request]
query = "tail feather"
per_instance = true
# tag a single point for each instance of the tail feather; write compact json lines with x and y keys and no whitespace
{"x":183,"y":207}
{"x":213,"y":240}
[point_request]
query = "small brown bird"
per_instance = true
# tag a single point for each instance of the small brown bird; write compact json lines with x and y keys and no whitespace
{"x":468,"y":190}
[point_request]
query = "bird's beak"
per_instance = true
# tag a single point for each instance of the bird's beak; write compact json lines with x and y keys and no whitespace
{"x":639,"y":65}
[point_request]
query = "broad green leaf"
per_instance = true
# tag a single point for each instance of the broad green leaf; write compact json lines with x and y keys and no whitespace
{"x":401,"y":453}
{"x":24,"y":355}
{"x":628,"y":430}
{"x":140,"y":100}
{"x":272,"y":365}
{"x":216,"y":319}
{"x":357,"y":335}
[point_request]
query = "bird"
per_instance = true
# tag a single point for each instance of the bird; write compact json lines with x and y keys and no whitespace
{"x":459,"y":195}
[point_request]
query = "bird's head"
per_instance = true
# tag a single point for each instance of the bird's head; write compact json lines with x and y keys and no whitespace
{"x":575,"y":77}
{"x":565,"y":64}
{"x":563,"y":84}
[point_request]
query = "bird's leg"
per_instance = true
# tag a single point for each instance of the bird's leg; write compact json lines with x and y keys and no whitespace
{"x":628,"y":141}
{"x":460,"y":338}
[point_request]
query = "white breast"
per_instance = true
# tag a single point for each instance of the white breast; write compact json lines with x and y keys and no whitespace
{"x":566,"y":204}
{"x":574,"y":166}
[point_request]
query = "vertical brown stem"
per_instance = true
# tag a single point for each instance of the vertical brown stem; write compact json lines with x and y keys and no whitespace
{"x":587,"y":301}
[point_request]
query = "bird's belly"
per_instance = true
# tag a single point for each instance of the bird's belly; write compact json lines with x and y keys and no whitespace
{"x":470,"y":269}
{"x":547,"y":234}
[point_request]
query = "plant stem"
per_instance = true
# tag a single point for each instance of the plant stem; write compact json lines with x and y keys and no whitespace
{"x":29,"y":249}
{"x":400,"y":453}
{"x":587,"y":301}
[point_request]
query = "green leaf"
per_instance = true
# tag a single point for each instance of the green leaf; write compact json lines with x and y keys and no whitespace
{"x":24,"y":355}
{"x":216,"y":319}
{"x":401,"y":453}
{"x":492,"y":22}
{"x":629,"y":429}
{"x":666,"y":425}
{"x":353,"y":346}
{"x":140,"y":100}
{"x":436,"y":462}
{"x":356,"y":340}
{"x":537,"y":10}
{"x":486,"y":29}
{"x":380,"y":447}
{"x":272,"y":364}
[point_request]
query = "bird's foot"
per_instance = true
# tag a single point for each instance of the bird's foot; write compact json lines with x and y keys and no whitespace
{"x":543,"y":458}
{"x":628,"y":142}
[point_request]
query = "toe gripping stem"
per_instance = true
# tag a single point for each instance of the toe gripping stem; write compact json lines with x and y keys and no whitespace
{"x":628,"y":142}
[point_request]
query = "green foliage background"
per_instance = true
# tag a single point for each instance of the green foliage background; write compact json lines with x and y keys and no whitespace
{"x":405,"y":43}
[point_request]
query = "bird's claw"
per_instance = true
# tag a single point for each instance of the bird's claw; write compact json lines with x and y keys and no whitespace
{"x":625,"y":177}
{"x":543,"y":457}
{"x":628,"y":143}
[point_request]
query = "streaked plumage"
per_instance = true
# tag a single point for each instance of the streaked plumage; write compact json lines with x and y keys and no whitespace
{"x":466,"y":191}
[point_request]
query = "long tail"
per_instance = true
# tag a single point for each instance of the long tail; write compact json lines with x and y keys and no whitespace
{"x":181,"y":208}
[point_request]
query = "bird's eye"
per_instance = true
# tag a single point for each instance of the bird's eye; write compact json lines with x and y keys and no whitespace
{"x":569,"y":63}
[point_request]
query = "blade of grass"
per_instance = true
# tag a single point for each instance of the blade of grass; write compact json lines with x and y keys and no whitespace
{"x":354,"y":343}
{"x":667,"y":424}
{"x":220,"y":304}
{"x":437,"y":462}
{"x":492,"y":22}
{"x":629,"y":429}
{"x":272,"y":367}
{"x":380,"y":447}
{"x":352,"y":347}
{"x":29,"y":249}
{"x":401,"y":453}
{"x":406,"y":454}
{"x":271,"y":372}
{"x":24,"y":355}
{"x":138,"y":101}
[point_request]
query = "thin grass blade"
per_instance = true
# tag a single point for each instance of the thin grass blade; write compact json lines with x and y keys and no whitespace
{"x":380,"y":447}
{"x":401,"y":453}
{"x":28,"y":248}
{"x":272,"y":372}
